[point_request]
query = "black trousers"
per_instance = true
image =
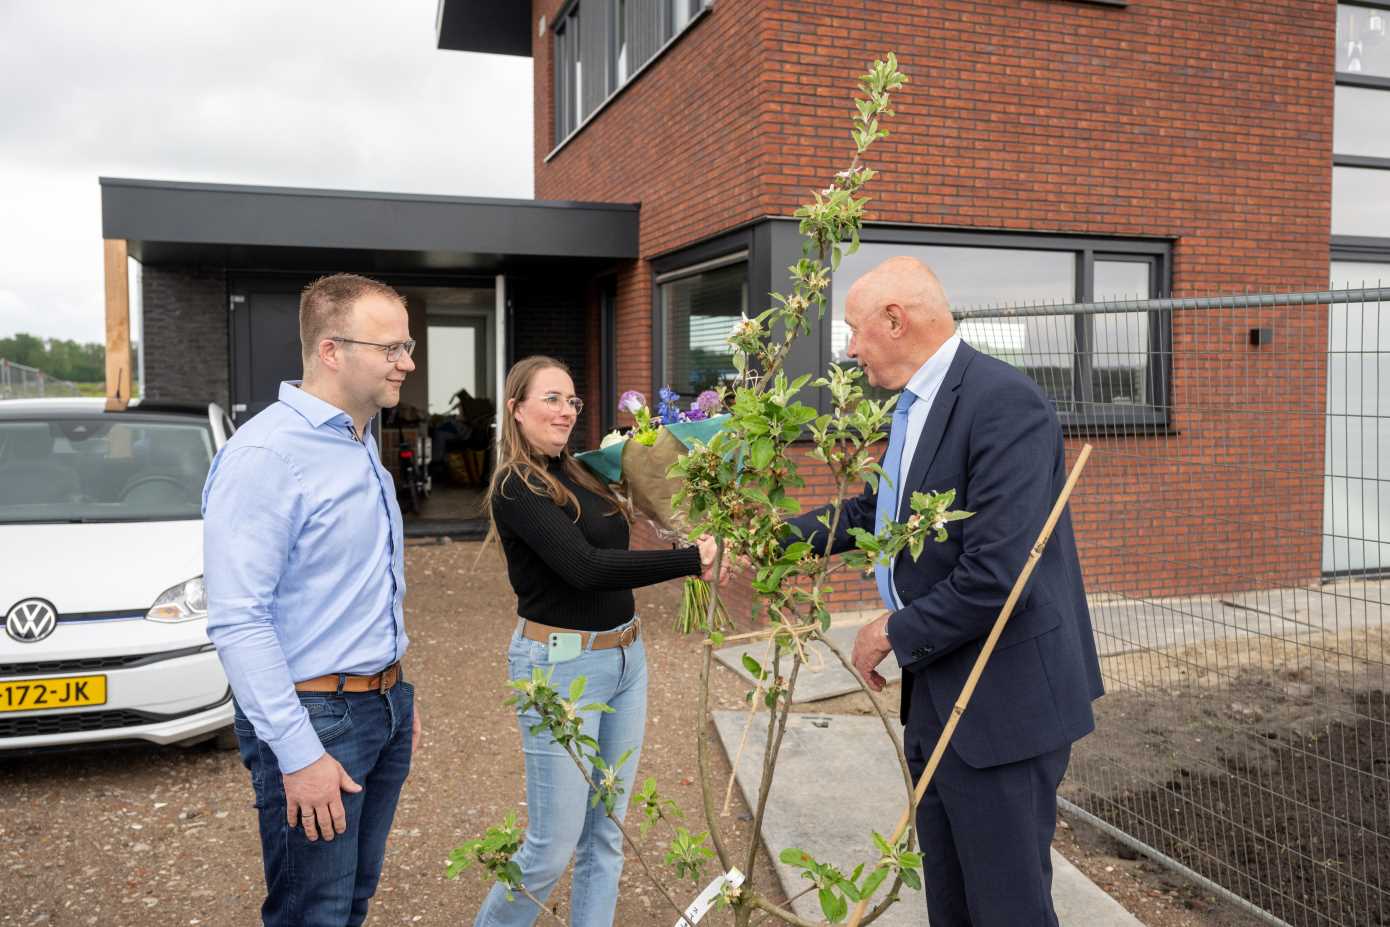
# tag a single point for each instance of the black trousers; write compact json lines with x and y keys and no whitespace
{"x":986,"y":834}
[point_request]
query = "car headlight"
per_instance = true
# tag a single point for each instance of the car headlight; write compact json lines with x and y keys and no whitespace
{"x":184,"y":602}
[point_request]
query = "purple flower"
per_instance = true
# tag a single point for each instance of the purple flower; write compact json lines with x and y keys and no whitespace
{"x":632,"y":401}
{"x":709,"y":403}
{"x":668,"y":410}
{"x":696,"y":415}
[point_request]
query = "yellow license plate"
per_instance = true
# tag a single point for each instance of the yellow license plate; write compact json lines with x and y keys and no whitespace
{"x":65,"y":692}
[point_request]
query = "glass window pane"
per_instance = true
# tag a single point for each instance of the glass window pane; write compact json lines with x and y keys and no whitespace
{"x":1359,"y":274}
{"x":1120,"y":340}
{"x":1360,"y":201}
{"x":1361,"y":125}
{"x":976,"y":277}
{"x":972,"y":277}
{"x":1362,"y":43}
{"x":697,"y":314}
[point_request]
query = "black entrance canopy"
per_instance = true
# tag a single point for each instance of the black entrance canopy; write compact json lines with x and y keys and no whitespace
{"x":234,"y":226}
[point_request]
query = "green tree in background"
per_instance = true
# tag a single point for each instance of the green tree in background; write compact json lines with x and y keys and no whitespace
{"x":64,"y":360}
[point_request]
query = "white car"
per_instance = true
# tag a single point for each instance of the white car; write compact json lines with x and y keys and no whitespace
{"x":101,"y":563}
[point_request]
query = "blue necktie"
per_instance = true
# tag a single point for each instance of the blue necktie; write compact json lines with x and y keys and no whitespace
{"x":887,"y":506}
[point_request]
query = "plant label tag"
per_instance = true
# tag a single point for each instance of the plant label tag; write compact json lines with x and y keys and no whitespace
{"x":702,"y":904}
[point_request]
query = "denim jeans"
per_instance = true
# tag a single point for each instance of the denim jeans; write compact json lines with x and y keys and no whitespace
{"x":560,"y":822}
{"x":327,"y":883}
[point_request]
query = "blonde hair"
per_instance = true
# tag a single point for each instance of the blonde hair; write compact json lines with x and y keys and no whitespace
{"x":517,"y":458}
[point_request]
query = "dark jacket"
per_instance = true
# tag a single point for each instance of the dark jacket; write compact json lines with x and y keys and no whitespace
{"x":993,"y":436}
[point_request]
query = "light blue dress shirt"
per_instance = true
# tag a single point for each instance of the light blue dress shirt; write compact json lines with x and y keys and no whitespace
{"x":302,"y":551}
{"x":925,"y":384}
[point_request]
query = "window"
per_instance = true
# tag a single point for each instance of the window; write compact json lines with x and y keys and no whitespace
{"x":617,"y":74}
{"x":1363,"y":40}
{"x":602,"y":45}
{"x":569,"y":74}
{"x":1104,"y":367}
{"x":1361,"y":201}
{"x":699,"y":307}
{"x":1356,"y":275}
{"x":679,"y":14}
{"x":1360,"y":140}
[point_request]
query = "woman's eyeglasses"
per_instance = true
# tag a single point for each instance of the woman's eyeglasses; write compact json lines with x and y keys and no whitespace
{"x":556,"y":403}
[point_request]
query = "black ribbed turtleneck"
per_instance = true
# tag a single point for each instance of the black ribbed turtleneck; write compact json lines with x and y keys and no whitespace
{"x":576,"y":573}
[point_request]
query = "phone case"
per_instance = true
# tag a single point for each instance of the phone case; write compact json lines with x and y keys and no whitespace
{"x":564,"y":646}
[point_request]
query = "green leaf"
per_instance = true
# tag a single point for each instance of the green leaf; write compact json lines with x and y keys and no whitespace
{"x":872,"y":883}
{"x":795,"y":857}
{"x":576,"y":688}
{"x":753,"y":666}
{"x":762,"y":453}
{"x":833,"y":905}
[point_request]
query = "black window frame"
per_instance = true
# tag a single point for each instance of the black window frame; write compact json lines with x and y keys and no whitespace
{"x":566,"y":45}
{"x":1361,"y":247}
{"x":714,"y":254}
{"x":1153,"y":417}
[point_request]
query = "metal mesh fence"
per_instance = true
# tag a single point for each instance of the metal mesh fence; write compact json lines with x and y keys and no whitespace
{"x":1234,"y":526}
{"x":20,"y":382}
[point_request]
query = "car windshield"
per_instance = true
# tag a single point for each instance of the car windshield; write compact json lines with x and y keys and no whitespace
{"x":99,"y":469}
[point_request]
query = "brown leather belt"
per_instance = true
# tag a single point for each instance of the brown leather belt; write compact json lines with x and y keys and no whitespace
{"x":383,"y":680}
{"x":535,"y":631}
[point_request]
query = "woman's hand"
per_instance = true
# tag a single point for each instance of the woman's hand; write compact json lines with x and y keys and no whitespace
{"x":709,"y":550}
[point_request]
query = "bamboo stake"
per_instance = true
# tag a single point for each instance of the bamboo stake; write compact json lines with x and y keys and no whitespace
{"x":983,"y":659}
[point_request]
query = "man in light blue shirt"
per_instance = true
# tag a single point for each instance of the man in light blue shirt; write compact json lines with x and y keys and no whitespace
{"x":305,"y":577}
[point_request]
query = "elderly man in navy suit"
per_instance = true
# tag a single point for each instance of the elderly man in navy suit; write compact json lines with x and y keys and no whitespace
{"x":969,"y":422}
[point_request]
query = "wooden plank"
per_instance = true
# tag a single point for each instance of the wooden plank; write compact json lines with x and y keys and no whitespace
{"x":118,"y":373}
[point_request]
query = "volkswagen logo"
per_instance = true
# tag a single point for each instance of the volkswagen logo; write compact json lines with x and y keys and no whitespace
{"x":31,"y":620}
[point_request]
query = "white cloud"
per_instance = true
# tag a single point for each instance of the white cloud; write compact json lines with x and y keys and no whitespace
{"x":347,"y":94}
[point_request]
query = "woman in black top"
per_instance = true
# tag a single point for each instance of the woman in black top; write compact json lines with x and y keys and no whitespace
{"x":565,"y":537}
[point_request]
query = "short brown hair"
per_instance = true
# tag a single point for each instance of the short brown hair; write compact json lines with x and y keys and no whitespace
{"x":324,"y":305}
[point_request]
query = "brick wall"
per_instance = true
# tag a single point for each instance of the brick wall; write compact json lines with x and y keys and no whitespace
{"x":1206,"y":124}
{"x":185,"y":335}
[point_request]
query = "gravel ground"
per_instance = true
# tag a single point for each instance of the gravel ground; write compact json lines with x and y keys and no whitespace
{"x":168,"y":836}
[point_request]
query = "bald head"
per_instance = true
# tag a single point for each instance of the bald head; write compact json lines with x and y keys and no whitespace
{"x":907,"y":282}
{"x":899,"y":317}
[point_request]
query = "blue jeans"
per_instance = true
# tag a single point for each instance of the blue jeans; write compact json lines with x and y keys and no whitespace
{"x":327,"y":883}
{"x":560,"y":822}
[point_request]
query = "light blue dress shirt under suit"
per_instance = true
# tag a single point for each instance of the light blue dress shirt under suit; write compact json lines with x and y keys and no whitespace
{"x":303,"y":561}
{"x":914,"y":404}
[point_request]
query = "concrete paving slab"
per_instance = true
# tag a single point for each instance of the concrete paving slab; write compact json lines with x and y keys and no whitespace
{"x":824,"y":677}
{"x":845,"y":763}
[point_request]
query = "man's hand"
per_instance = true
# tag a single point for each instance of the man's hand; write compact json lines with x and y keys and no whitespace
{"x":415,"y":730}
{"x":314,"y":797}
{"x":870,"y":648}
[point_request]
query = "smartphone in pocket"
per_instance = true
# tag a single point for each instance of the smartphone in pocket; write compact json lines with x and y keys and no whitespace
{"x":564,"y":646}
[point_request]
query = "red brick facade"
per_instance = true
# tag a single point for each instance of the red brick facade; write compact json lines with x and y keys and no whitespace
{"x":1209,"y":125}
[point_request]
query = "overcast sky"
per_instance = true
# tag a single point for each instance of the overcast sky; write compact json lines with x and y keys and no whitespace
{"x":340,"y":94}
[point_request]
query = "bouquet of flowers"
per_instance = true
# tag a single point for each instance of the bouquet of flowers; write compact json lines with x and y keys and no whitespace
{"x":639,"y":461}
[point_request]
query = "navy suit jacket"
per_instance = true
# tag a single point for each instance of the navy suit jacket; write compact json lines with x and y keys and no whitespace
{"x":993,"y":436}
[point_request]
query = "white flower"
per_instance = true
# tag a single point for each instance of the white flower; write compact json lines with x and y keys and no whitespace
{"x":744,"y":326}
{"x":612,"y":438}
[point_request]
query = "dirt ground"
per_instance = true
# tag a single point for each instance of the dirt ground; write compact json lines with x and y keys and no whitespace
{"x":167,"y":836}
{"x":1261,"y":764}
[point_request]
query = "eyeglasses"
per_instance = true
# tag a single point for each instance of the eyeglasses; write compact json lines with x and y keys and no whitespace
{"x":394,"y":350}
{"x":555,"y":402}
